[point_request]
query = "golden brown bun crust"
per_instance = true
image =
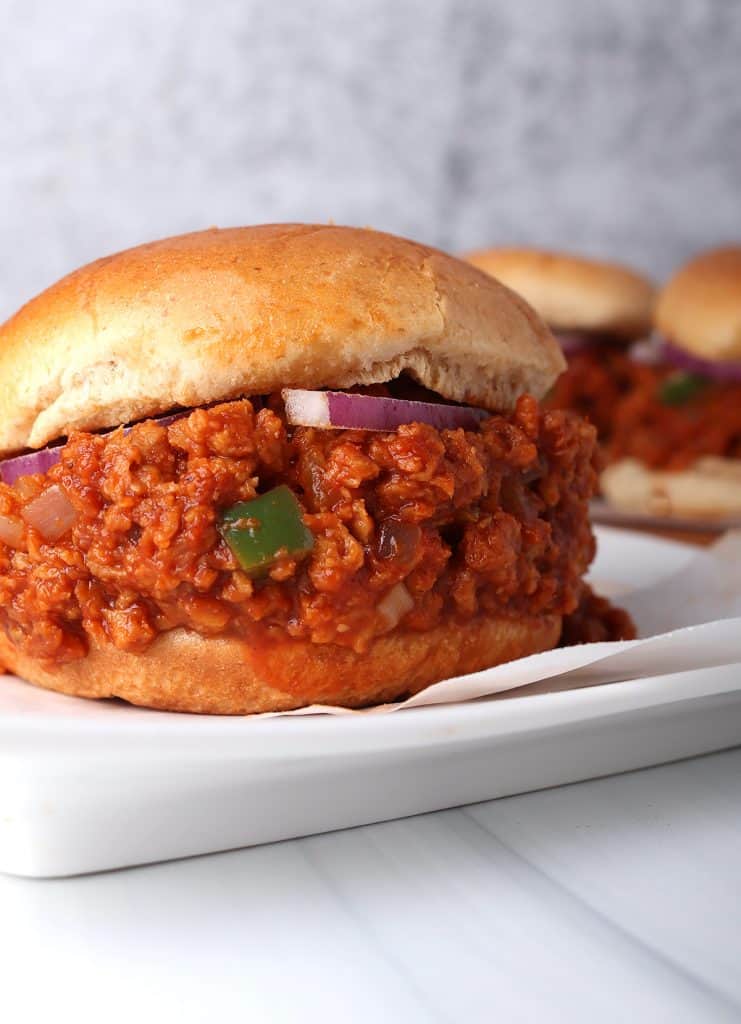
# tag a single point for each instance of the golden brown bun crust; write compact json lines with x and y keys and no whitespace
{"x":246,"y":311}
{"x":700,"y":307}
{"x":572,"y":293}
{"x":185,"y":672}
{"x":710,"y":489}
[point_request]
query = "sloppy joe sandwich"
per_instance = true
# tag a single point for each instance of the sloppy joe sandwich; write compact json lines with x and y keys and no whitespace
{"x":675,"y":446}
{"x":596,"y":310}
{"x":255,"y":469}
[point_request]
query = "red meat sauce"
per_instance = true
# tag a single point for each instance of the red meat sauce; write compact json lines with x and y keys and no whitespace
{"x":672,"y":437}
{"x":595,"y":382}
{"x":492,"y":521}
{"x":622,"y":398}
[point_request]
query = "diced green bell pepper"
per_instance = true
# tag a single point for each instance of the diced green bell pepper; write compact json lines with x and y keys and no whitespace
{"x":680,"y":388}
{"x":258,"y":530}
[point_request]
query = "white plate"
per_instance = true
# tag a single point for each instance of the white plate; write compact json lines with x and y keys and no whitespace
{"x":84,"y":791}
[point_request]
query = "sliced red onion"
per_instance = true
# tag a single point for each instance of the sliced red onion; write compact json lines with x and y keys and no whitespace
{"x":716,"y":369}
{"x":51,"y":513}
{"x":572,"y":342}
{"x":43,"y":460}
{"x":646,"y":352}
{"x":25,"y":465}
{"x":396,"y":604}
{"x":343,"y":411}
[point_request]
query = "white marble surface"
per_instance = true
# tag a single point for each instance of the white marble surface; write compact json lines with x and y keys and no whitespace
{"x":612,"y":900}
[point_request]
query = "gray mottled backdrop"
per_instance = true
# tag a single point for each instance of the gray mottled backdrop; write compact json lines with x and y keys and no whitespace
{"x":611,"y":126}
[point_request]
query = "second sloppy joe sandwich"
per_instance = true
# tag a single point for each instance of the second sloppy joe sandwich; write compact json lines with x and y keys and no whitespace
{"x":596,"y":310}
{"x":676,"y":443}
{"x":254,"y":469}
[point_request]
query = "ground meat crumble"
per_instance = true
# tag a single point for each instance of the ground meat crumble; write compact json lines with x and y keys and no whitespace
{"x":673,"y":437}
{"x":595,"y":382}
{"x":622,"y":398}
{"x":490,"y":521}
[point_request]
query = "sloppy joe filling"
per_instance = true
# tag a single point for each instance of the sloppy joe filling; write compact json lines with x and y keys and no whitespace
{"x":410,"y":527}
{"x":595,"y":381}
{"x":668,"y":426}
{"x":663,"y":417}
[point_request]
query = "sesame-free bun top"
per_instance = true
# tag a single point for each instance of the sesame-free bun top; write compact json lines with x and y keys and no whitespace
{"x":245,"y":311}
{"x":700,"y":307}
{"x":573,"y":293}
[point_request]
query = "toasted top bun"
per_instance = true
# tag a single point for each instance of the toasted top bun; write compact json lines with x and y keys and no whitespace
{"x":700,"y":307}
{"x":572,"y":293}
{"x":222,"y":313}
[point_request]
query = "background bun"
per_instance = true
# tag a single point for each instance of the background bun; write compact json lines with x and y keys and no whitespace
{"x":183,"y":671}
{"x":700,"y":307}
{"x":217,"y":314}
{"x":572,"y":293}
{"x":711,"y":488}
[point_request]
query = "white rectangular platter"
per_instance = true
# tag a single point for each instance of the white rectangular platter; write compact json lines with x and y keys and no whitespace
{"x":82,"y":790}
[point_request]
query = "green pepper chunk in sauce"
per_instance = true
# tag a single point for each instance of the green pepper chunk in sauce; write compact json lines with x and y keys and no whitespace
{"x":680,"y":387}
{"x":260,"y":531}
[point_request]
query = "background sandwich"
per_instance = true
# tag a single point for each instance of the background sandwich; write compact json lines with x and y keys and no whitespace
{"x":347,"y":492}
{"x":676,"y":440}
{"x":596,"y":310}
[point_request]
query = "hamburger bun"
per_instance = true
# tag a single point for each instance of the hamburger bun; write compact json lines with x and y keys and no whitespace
{"x":700,"y":307}
{"x":573,"y":293}
{"x":710,"y":489}
{"x":209,"y":317}
{"x":213,"y":315}
{"x":183,"y":671}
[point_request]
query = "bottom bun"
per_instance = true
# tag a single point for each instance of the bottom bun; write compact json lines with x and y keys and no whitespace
{"x":183,"y":671}
{"x":711,"y":488}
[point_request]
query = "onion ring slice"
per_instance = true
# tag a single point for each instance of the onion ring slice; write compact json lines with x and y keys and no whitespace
{"x":341,"y":410}
{"x":41,"y":461}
